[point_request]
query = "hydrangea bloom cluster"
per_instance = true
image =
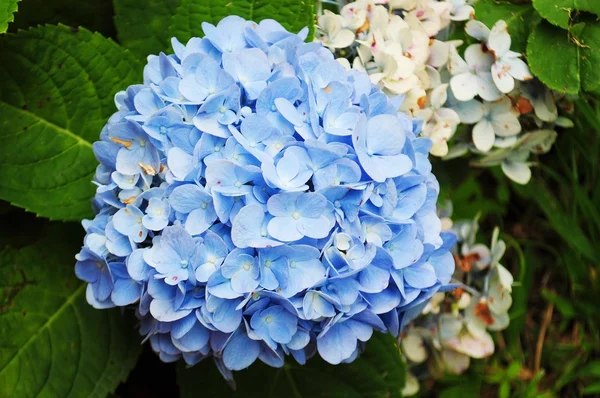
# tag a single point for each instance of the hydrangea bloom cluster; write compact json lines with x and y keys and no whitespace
{"x":256,"y":200}
{"x":453,"y":327}
{"x":401,"y":45}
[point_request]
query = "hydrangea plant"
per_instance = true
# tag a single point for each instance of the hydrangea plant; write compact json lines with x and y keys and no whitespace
{"x":257,"y":200}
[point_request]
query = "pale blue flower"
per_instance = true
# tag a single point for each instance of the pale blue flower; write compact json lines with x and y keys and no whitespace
{"x":275,"y":325}
{"x":378,"y":144}
{"x":94,"y":269}
{"x":174,"y":256}
{"x":197,"y":206}
{"x":218,"y":112}
{"x":209,"y":79}
{"x":137,"y":154}
{"x":251,"y":68}
{"x":296,"y":215}
{"x":157,"y":214}
{"x":129,"y":222}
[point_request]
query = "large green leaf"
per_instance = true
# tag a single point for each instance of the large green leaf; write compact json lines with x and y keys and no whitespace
{"x":378,"y":372}
{"x":560,"y":12}
{"x":144,"y":28}
{"x":520,"y":18}
{"x":56,"y":93}
{"x":292,"y":14}
{"x":53,"y":343}
{"x":95,"y":15}
{"x":148,"y":30}
{"x":566,"y":61}
{"x":7,"y":9}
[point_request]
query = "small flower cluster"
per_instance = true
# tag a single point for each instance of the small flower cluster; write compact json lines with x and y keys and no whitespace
{"x":256,"y":200}
{"x":453,"y":327}
{"x":491,"y":88}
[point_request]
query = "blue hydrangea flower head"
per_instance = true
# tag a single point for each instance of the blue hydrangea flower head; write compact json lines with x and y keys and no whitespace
{"x":255,"y":201}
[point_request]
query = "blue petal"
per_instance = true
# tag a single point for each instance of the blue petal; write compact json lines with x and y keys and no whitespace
{"x":194,"y":340}
{"x":240,"y":352}
{"x":337,"y":344}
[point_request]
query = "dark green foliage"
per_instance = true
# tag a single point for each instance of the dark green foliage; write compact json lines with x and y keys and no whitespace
{"x":378,"y":372}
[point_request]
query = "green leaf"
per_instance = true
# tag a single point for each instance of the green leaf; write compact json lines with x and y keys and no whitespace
{"x":7,"y":9}
{"x":292,"y":14}
{"x":95,"y":15}
{"x":566,"y":61}
{"x":148,"y":30}
{"x":378,"y":372}
{"x":592,"y":389}
{"x":54,"y":344}
{"x":56,"y":93}
{"x":559,"y":12}
{"x":587,"y":39}
{"x":144,"y":29}
{"x":592,"y":369}
{"x":519,"y":18}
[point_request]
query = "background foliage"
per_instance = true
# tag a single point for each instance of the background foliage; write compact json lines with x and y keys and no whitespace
{"x":57,"y":90}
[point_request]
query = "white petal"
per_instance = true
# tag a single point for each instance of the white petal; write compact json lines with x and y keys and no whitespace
{"x":439,"y":148}
{"x":411,"y":387}
{"x":447,"y":116}
{"x":502,"y":79}
{"x":506,"y":125}
{"x":439,"y":53}
{"x":516,"y":171}
{"x":462,"y":13}
{"x":438,"y":96}
{"x":433,"y":75}
{"x":518,"y":69}
{"x":501,"y":322}
{"x":456,"y":363}
{"x":343,"y":39}
{"x":476,"y":347}
{"x":401,"y":86}
{"x":483,"y":136}
{"x":499,"y":40}
{"x":465,"y":86}
{"x":424,"y":114}
{"x":414,"y":347}
{"x":487,"y":89}
{"x":505,"y":142}
{"x":330,"y":23}
{"x":469,"y":111}
{"x":457,"y":65}
{"x":344,"y":62}
{"x":477,"y":30}
{"x":478,"y":59}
